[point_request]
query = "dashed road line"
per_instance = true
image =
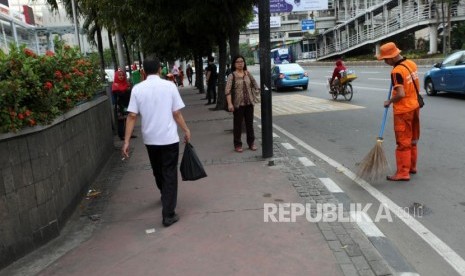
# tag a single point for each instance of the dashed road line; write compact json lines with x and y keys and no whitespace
{"x":306,"y":162}
{"x":331,"y":185}
{"x":365,"y":223}
{"x":287,"y":146}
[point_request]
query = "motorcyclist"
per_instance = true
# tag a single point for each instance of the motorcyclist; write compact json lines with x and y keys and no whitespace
{"x":337,"y":72}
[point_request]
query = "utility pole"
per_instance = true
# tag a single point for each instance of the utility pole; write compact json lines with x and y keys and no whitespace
{"x":265,"y":77}
{"x":119,"y":48}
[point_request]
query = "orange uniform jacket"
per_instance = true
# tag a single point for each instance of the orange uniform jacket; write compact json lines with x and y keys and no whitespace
{"x":400,"y":76}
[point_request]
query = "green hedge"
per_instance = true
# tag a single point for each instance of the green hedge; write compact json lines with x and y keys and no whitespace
{"x":35,"y":89}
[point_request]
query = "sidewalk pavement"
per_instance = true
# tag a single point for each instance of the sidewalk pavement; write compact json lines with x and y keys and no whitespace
{"x":221,"y":230}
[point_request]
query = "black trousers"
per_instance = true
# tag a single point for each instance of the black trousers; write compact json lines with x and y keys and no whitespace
{"x":211,"y":92}
{"x":164,"y":161}
{"x":243,"y":113}
{"x":121,"y":104}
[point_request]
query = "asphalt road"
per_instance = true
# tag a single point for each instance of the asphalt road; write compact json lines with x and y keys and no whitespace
{"x":346,"y":132}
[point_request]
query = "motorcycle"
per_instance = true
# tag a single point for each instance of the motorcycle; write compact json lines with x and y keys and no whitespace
{"x":343,"y":87}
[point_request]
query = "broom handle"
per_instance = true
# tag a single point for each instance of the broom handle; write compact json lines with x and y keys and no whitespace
{"x":383,"y":124}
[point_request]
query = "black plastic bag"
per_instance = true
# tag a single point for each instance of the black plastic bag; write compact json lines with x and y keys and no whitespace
{"x":191,"y":168}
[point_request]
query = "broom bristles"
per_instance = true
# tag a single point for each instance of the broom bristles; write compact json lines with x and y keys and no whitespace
{"x":374,"y":166}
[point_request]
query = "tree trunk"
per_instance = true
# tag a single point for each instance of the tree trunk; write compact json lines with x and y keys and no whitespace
{"x":100,"y":51}
{"x":220,"y":98}
{"x":128,"y":55}
{"x":112,"y":50}
{"x":199,"y":73}
{"x":234,"y":43}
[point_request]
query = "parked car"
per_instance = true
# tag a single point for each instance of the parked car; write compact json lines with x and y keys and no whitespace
{"x":448,"y":75}
{"x":288,"y":75}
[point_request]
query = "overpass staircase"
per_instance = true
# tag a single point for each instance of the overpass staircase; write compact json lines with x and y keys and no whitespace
{"x":357,"y":28}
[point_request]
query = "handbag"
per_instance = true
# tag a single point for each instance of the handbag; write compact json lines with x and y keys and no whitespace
{"x":191,"y":168}
{"x":420,"y":100}
{"x":255,"y":92}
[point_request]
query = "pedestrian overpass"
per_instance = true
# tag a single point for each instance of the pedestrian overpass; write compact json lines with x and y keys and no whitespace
{"x":360,"y":24}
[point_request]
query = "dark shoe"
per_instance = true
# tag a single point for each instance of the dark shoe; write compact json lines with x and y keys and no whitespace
{"x":208,"y":103}
{"x":168,"y":221}
{"x":253,"y":147}
{"x":133,"y":136}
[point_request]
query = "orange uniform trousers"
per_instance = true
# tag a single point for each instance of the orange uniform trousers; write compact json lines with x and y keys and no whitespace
{"x":407,"y":129}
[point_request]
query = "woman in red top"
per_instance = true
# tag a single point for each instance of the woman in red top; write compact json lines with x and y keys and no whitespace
{"x":121,"y":92}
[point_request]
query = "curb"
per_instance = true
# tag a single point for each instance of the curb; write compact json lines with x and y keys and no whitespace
{"x":360,"y":248}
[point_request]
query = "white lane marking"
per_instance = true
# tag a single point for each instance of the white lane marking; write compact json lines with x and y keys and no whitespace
{"x":365,"y":223}
{"x":382,"y":79}
{"x":306,"y":162}
{"x":407,"y":274}
{"x":287,"y":146}
{"x":331,"y":185}
{"x":447,"y":253}
{"x":275,"y":135}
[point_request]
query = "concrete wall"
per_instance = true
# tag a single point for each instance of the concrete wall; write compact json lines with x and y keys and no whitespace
{"x":45,"y":171}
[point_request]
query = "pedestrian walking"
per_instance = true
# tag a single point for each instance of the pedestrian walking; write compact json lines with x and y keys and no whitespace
{"x":405,"y":83}
{"x":181,"y":77}
{"x":241,"y":94}
{"x":189,"y":73}
{"x":136,"y":75}
{"x":159,"y":105}
{"x":211,"y":78}
{"x":121,"y":90}
{"x":175,"y":72}
{"x":164,"y":71}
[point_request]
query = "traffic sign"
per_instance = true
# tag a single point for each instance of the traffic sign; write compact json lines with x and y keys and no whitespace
{"x":308,"y":25}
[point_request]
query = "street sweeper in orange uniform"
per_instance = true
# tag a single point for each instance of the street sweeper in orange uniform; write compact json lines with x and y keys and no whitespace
{"x":405,"y":84}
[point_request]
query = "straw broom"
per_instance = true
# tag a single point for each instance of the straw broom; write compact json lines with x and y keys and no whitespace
{"x":374,"y":166}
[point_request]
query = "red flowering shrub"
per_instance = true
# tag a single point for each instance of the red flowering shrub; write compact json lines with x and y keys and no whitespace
{"x":34,"y":89}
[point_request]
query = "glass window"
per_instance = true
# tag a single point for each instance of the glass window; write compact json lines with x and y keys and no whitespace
{"x":451,"y":60}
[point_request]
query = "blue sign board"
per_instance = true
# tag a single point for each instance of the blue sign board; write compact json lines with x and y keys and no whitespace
{"x":308,"y":25}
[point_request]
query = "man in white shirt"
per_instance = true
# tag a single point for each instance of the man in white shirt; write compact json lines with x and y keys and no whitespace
{"x":159,"y":105}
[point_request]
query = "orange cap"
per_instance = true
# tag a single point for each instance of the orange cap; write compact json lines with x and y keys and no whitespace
{"x":388,"y":50}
